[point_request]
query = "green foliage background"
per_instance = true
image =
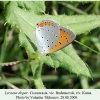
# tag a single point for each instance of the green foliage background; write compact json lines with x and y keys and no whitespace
{"x":81,"y":17}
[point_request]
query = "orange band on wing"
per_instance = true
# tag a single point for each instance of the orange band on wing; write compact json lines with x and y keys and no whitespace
{"x":62,"y":41}
{"x":45,"y":23}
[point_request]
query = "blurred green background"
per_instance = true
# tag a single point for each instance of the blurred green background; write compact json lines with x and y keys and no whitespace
{"x":10,"y":50}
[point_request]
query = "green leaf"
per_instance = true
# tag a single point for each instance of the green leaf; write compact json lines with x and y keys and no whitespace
{"x":36,"y":7}
{"x":68,"y":59}
{"x":26,"y":19}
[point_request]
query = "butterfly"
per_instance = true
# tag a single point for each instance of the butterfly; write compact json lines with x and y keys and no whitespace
{"x":52,"y":37}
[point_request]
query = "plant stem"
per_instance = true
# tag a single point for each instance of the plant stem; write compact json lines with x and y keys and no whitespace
{"x":36,"y":66}
{"x":38,"y":83}
{"x":87,"y":47}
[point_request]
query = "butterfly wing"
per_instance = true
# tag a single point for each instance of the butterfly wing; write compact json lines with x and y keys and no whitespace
{"x":47,"y":33}
{"x":66,"y":37}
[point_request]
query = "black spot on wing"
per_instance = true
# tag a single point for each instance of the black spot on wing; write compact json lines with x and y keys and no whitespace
{"x":60,"y":43}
